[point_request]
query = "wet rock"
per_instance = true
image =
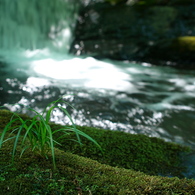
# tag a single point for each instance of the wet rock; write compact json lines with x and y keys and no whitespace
{"x":178,"y":52}
{"x":139,"y":32}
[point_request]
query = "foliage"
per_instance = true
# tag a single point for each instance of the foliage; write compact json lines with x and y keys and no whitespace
{"x":36,"y":132}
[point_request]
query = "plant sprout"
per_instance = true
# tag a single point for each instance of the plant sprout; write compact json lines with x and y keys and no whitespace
{"x":36,"y":132}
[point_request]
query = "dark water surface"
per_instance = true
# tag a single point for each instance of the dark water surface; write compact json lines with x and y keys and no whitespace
{"x":135,"y":98}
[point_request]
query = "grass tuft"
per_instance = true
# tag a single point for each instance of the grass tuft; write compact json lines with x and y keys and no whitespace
{"x":37,"y":134}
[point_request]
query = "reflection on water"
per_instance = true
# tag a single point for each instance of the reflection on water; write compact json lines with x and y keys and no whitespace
{"x":135,"y":98}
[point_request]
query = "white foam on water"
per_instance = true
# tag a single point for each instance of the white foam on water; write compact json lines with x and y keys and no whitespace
{"x":88,"y":72}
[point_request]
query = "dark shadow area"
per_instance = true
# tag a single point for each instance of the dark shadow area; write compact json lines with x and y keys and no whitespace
{"x":142,"y":32}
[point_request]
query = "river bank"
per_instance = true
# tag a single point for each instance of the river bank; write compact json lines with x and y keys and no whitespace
{"x":115,"y":171}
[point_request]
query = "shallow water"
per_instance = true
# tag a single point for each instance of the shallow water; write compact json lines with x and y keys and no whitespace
{"x":126,"y":96}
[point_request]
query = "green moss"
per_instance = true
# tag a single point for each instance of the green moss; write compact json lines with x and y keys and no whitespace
{"x":138,"y":152}
{"x":33,"y":174}
{"x":185,"y":44}
{"x":76,"y":174}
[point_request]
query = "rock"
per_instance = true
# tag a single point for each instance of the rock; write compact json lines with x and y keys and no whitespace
{"x":138,"y":32}
{"x":179,"y":52}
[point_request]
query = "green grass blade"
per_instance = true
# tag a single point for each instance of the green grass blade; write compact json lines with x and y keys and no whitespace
{"x":89,"y":138}
{"x":70,"y":118}
{"x":28,"y":134}
{"x":16,"y":142}
{"x":39,"y":133}
{"x":8,"y":139}
{"x":48,"y":114}
{"x":84,"y":135}
{"x":23,"y":150}
{"x":51,"y":145}
{"x":5,"y":130}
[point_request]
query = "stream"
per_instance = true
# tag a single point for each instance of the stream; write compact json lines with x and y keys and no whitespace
{"x":126,"y":96}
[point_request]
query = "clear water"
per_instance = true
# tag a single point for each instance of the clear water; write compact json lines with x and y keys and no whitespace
{"x":136,"y":98}
{"x":125,"y":96}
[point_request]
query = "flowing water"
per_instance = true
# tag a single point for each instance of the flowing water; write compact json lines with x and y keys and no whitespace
{"x":127,"y":96}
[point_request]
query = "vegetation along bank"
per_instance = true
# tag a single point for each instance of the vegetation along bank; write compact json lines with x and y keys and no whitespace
{"x":127,"y":164}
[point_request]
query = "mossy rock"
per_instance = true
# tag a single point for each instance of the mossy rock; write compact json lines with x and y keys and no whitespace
{"x":153,"y":156}
{"x":33,"y":174}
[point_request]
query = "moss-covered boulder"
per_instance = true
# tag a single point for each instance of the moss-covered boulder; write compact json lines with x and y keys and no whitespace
{"x":78,"y":175}
{"x":150,"y":155}
{"x":120,"y":169}
{"x":138,"y":152}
